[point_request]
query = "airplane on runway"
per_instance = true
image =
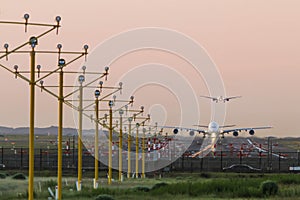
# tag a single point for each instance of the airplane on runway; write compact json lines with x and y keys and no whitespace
{"x":221,"y":98}
{"x":214,"y":131}
{"x":214,"y":127}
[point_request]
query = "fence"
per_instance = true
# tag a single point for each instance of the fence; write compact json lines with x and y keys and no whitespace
{"x":46,"y":159}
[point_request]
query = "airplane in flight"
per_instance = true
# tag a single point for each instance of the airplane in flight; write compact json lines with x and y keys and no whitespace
{"x":221,"y":98}
{"x":213,"y":132}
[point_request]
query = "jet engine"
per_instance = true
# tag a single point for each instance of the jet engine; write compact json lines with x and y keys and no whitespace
{"x":192,"y":133}
{"x":251,"y":132}
{"x":235,"y":133}
{"x":175,"y":131}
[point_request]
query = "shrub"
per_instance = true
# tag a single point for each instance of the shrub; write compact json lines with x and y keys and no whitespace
{"x":7,"y":174}
{"x":104,"y":197}
{"x":2,"y":176}
{"x":19,"y":176}
{"x":142,"y":189}
{"x":269,"y":187}
{"x":159,"y":185}
{"x":205,"y":175}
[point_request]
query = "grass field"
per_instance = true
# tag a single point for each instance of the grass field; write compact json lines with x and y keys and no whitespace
{"x":41,"y":141}
{"x":176,"y":186}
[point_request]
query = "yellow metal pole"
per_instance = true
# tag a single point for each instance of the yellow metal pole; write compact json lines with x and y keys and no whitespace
{"x":129,"y":148}
{"x":137,"y":151}
{"x":60,"y":125}
{"x":143,"y":153}
{"x":31,"y":125}
{"x":96,"y":139}
{"x":81,"y":79}
{"x":110,"y":144}
{"x":120,"y":146}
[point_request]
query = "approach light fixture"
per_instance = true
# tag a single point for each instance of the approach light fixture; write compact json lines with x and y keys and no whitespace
{"x":26,"y":17}
{"x":42,"y":85}
{"x":110,"y":103}
{"x":131,"y":100}
{"x":81,"y":79}
{"x":106,"y":72}
{"x":85,"y":47}
{"x":83,"y":69}
{"x":6,"y":50}
{"x":97,"y":93}
{"x":61,"y":62}
{"x":16,"y":71}
{"x":39,"y":70}
{"x":57,"y":19}
{"x":33,"y":41}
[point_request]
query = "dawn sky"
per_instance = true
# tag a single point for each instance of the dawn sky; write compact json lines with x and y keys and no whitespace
{"x":254,"y":44}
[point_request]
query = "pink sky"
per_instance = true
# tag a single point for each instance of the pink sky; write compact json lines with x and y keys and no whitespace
{"x":255,"y":45}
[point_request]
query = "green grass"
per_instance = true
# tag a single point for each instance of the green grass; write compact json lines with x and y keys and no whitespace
{"x":41,"y":141}
{"x":177,"y":186}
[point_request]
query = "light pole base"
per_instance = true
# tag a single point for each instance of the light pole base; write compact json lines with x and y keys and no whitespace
{"x":78,"y":186}
{"x":56,"y":192}
{"x":95,"y":183}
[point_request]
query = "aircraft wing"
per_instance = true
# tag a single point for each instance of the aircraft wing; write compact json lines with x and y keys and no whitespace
{"x":202,"y":126}
{"x":184,"y":128}
{"x":212,"y":98}
{"x":246,"y":129}
{"x":224,"y":126}
{"x":227,"y":126}
{"x":235,"y":97}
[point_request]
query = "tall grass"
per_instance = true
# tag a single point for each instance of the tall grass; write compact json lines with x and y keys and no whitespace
{"x":230,"y":188}
{"x":188,"y":187}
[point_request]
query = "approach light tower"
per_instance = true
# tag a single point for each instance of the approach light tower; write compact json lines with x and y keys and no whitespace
{"x":81,"y":79}
{"x":110,"y":104}
{"x":121,"y":112}
{"x":97,"y":94}
{"x":33,"y":42}
{"x":129,"y":148}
